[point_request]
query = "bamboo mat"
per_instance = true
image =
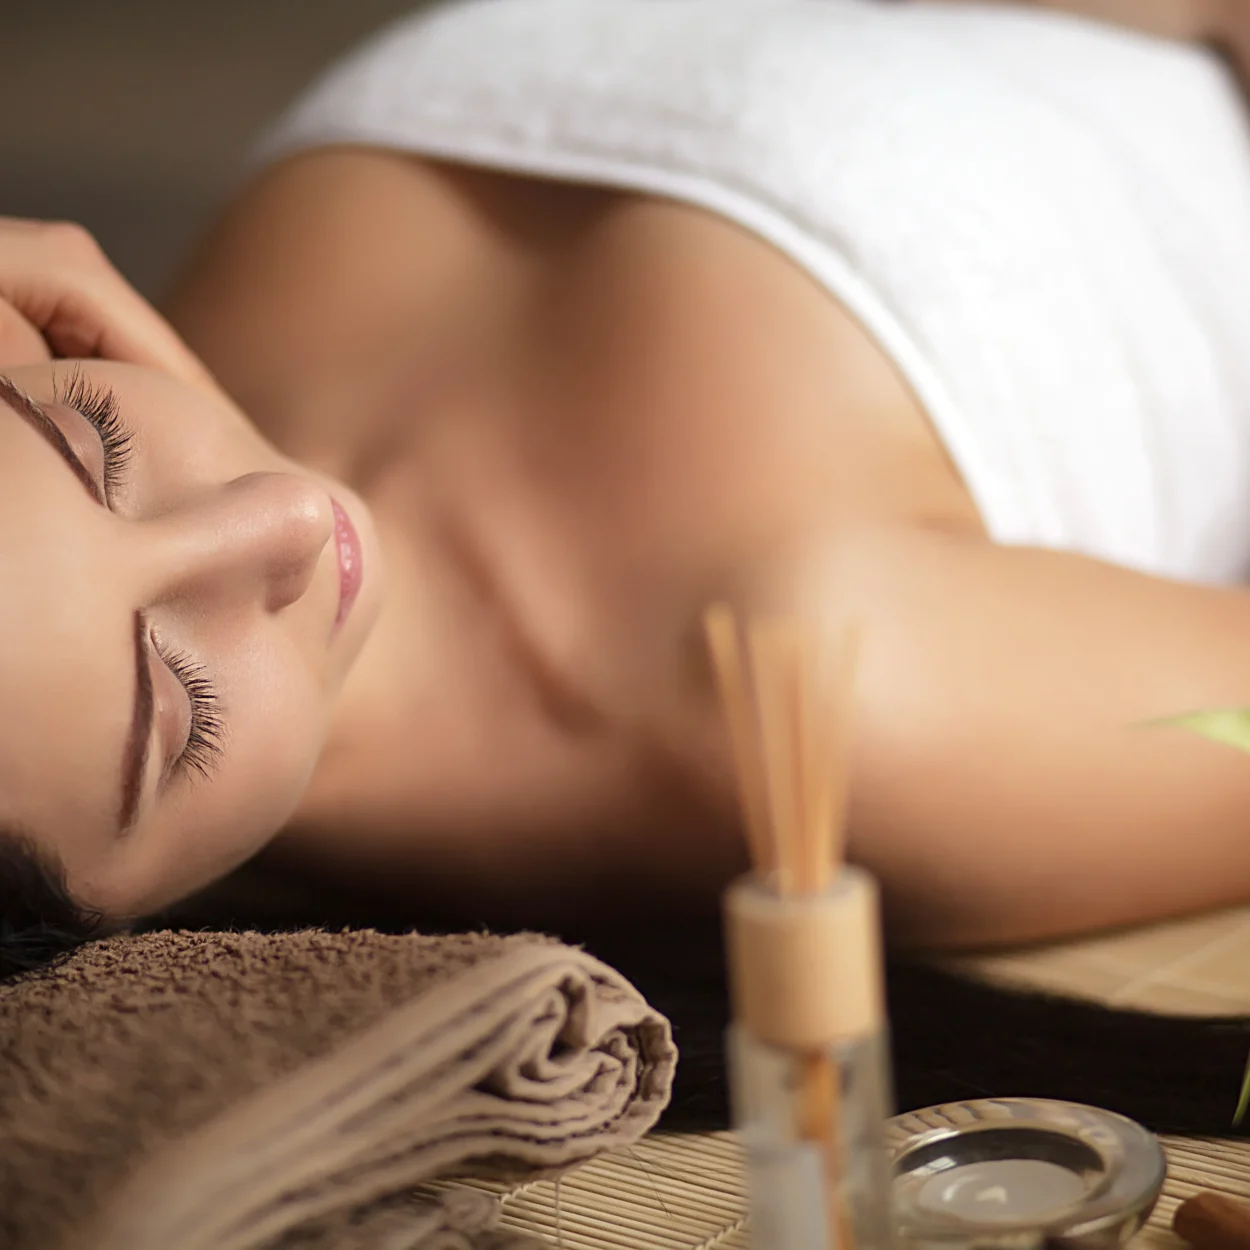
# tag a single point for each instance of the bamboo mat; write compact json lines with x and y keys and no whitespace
{"x":688,"y":1192}
{"x":1194,"y":967}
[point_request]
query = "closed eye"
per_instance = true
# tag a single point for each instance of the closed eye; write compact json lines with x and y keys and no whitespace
{"x":98,"y":405}
{"x":21,"y":403}
{"x":203,"y":748}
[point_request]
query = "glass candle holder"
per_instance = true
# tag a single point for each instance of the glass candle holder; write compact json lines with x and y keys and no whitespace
{"x":1021,"y":1173}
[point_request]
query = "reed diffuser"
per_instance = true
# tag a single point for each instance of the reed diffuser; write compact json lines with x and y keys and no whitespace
{"x":807,"y":1050}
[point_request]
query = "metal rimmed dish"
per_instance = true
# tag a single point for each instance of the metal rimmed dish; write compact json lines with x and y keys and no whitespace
{"x":1021,"y":1173}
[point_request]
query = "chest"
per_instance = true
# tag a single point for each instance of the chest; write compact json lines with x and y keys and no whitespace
{"x":667,"y":396}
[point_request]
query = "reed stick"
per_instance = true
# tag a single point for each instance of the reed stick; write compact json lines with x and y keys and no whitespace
{"x":773,"y":663}
{"x":721,"y":629}
{"x":789,"y":716}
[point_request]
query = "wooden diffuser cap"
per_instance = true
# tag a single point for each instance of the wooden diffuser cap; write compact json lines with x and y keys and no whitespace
{"x":806,"y":970}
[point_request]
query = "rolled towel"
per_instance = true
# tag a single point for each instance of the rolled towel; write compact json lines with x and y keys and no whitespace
{"x":235,"y":1091}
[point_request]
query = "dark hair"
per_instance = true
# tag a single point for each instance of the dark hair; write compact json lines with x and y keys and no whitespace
{"x":40,"y":920}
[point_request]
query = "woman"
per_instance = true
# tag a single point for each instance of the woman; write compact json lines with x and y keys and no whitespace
{"x":563,"y":323}
{"x":135,"y":487}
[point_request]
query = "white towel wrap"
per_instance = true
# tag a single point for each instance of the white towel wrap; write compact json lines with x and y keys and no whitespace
{"x":1043,"y":221}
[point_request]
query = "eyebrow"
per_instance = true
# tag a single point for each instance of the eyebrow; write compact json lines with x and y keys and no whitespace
{"x":138,"y":741}
{"x":24,"y":406}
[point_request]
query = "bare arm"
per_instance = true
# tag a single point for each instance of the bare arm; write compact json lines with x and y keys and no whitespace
{"x":1006,"y":787}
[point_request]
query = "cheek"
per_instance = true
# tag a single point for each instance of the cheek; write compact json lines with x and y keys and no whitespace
{"x":276,"y":725}
{"x":187,"y":445}
{"x":276,"y":728}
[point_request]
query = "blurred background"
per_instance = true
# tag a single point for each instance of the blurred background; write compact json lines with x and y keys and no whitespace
{"x":133,"y":116}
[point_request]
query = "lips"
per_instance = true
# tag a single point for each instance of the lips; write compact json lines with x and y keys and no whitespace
{"x":351,"y":562}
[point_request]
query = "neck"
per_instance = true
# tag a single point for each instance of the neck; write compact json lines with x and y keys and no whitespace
{"x":469,"y":746}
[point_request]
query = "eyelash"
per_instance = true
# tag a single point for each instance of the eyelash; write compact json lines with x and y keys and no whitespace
{"x":203,"y":747}
{"x":99,"y":405}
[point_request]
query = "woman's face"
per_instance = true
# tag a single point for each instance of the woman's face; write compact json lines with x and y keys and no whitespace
{"x":179,"y":605}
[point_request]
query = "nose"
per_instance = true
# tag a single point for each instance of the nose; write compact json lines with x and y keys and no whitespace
{"x":255,"y":539}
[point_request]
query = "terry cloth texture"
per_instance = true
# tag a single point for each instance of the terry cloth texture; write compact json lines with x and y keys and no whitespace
{"x":233,"y":1091}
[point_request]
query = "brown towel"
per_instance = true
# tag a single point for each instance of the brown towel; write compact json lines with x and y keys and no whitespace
{"x":227,"y":1091}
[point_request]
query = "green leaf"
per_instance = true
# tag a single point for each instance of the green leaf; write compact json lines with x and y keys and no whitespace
{"x":1230,"y":726}
{"x":1244,"y":1104}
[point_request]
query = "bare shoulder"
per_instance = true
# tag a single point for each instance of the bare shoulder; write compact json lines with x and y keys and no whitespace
{"x":310,"y":263}
{"x":351,"y":222}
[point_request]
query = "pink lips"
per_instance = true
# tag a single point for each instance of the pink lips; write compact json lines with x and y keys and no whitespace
{"x":351,"y":562}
